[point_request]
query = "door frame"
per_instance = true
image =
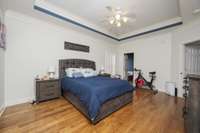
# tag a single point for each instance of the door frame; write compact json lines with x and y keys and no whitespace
{"x":124,"y":65}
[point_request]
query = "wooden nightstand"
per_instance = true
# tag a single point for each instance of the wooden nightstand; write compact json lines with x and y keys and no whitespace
{"x":105,"y":75}
{"x":47,"y":89}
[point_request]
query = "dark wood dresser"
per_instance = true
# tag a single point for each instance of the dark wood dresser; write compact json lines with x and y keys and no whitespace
{"x":47,"y":89}
{"x":192,"y":103}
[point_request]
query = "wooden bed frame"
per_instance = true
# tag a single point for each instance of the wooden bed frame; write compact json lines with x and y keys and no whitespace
{"x":108,"y":107}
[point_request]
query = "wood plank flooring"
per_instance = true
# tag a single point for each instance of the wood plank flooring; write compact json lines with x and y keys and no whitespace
{"x":147,"y":114}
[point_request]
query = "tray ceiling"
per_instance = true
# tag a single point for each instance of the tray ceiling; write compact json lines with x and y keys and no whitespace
{"x":147,"y":12}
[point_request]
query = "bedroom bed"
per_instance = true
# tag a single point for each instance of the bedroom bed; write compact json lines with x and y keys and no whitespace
{"x":95,"y":97}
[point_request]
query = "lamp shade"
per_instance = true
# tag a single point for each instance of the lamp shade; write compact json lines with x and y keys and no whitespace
{"x":51,"y":69}
{"x":102,"y":68}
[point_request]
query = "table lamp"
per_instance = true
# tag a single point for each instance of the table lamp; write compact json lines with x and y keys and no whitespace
{"x":51,"y":72}
{"x":102,"y":70}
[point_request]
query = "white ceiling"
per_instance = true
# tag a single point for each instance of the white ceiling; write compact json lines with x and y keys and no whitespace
{"x":147,"y":12}
{"x":150,"y":14}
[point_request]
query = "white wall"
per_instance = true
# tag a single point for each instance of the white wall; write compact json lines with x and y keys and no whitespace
{"x":34,"y":45}
{"x":163,"y":52}
{"x":2,"y":63}
{"x":185,"y":34}
{"x":151,"y":53}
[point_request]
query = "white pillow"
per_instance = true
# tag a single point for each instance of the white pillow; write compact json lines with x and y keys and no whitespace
{"x":69,"y":71}
{"x":88,"y":72}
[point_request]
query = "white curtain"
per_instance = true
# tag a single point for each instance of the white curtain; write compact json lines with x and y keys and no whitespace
{"x":125,"y":66}
{"x":110,"y":62}
{"x":192,"y":60}
{"x":113,"y":64}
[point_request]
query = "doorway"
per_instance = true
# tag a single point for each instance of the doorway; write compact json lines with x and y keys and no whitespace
{"x":129,"y":67}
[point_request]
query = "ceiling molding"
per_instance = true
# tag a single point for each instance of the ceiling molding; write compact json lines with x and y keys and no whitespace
{"x":51,"y":13}
{"x":72,"y":21}
{"x":151,"y":31}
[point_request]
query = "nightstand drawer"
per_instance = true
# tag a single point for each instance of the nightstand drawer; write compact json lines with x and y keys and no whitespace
{"x":48,"y":95}
{"x":50,"y":89}
{"x":48,"y":85}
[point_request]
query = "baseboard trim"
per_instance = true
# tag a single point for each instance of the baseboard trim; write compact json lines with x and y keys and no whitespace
{"x":19,"y":101}
{"x":2,"y":109}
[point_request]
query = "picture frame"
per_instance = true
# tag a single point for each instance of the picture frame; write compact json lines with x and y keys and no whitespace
{"x":76,"y":47}
{"x":2,"y":32}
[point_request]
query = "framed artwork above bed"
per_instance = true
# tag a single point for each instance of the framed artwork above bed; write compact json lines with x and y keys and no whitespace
{"x":76,"y":47}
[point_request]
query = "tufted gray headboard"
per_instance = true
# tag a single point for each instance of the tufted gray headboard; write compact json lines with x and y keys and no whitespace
{"x":74,"y":63}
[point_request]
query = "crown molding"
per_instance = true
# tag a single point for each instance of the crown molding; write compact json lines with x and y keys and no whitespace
{"x":48,"y":12}
{"x":151,"y":31}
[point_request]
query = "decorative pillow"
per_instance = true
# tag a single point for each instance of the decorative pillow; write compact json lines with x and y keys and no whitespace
{"x":88,"y":72}
{"x":77,"y":75}
{"x":69,"y":71}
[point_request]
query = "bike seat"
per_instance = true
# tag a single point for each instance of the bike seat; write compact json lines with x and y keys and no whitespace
{"x":153,"y":73}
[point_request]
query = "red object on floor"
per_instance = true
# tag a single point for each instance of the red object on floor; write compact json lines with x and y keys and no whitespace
{"x":139,"y":83}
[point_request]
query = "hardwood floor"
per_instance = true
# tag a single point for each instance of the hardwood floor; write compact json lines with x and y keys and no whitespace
{"x":147,"y":114}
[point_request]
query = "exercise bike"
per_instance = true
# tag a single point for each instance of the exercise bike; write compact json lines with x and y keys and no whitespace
{"x":142,"y":82}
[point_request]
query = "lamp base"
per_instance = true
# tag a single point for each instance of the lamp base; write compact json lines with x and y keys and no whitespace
{"x":51,"y":76}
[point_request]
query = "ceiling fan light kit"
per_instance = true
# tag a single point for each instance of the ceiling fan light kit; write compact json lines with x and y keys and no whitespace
{"x":118,"y":17}
{"x":125,"y":19}
{"x":112,"y":21}
{"x":118,"y":24}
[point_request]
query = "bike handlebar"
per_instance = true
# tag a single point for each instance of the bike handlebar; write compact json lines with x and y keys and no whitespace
{"x":139,"y":70}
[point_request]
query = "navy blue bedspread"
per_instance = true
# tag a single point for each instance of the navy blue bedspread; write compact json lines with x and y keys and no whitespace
{"x":94,"y":91}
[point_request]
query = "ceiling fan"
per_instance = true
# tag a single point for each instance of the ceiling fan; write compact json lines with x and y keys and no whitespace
{"x":118,"y":17}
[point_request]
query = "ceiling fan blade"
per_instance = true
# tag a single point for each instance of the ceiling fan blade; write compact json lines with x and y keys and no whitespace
{"x":118,"y":9}
{"x":131,"y":15}
{"x":109,"y":8}
{"x":130,"y":20}
{"x":113,"y":10}
{"x":124,"y":12}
